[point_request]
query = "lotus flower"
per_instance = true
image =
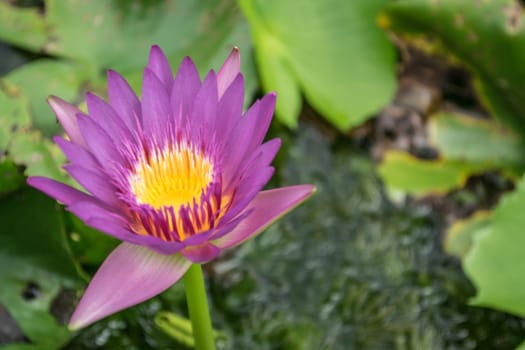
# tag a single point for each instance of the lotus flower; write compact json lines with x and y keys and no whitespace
{"x":177,"y":176}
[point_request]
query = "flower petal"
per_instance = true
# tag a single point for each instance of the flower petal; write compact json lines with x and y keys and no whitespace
{"x":201,"y":253}
{"x":267,"y":206}
{"x":204,"y":111}
{"x":67,"y":115}
{"x":95,"y":183}
{"x":156,"y":111}
{"x":107,"y":118}
{"x":230,"y":108}
{"x":228,"y":71}
{"x":159,"y":64}
{"x":185,"y":87}
{"x":100,"y":144}
{"x":57,"y":190}
{"x":123,"y":100}
{"x":263,"y":120}
{"x":114,"y":228}
{"x":129,"y":275}
{"x":76,"y":153}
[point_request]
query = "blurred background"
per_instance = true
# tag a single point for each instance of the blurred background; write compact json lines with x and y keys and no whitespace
{"x":408,"y":116}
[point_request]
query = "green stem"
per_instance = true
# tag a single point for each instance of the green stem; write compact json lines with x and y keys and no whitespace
{"x":198,"y":307}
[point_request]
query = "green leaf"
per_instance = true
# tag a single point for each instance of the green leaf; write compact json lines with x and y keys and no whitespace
{"x":100,"y":34}
{"x":487,"y":36}
{"x":466,"y":146}
{"x":404,"y":172}
{"x":34,"y":252}
{"x":23,"y":27}
{"x":89,"y":246}
{"x":40,"y":156}
{"x":459,"y":237}
{"x":331,"y":50}
{"x":14,"y":113}
{"x":477,"y":141}
{"x":45,"y":77}
{"x":10,"y":176}
{"x":495,"y":262}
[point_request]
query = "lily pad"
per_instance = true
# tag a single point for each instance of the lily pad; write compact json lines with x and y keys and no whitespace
{"x":466,"y":146}
{"x":495,"y":262}
{"x":332,"y":51}
{"x":40,"y":156}
{"x":477,"y":141}
{"x":103,"y":34}
{"x":14,"y":113}
{"x":459,"y":237}
{"x":35,"y":264}
{"x":403,"y":172}
{"x":42,"y":78}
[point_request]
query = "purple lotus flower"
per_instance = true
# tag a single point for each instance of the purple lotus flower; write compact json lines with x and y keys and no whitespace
{"x":177,"y":176}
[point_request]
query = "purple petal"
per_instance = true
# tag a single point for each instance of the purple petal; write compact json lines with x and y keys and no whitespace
{"x":76,"y":153}
{"x":228,"y":71}
{"x":57,"y":190}
{"x":107,"y":118}
{"x":96,"y":184}
{"x":238,"y":141}
{"x":230,"y":108}
{"x":201,"y":253}
{"x":247,"y":189}
{"x":99,"y":142}
{"x":123,"y":100}
{"x":204,"y":107}
{"x":185,"y":87}
{"x":116,"y":229}
{"x":260,"y":158}
{"x":156,"y":112}
{"x":130,"y":275}
{"x":263,"y":120}
{"x":88,"y":210}
{"x":268,"y":206}
{"x":67,"y":115}
{"x":159,"y":64}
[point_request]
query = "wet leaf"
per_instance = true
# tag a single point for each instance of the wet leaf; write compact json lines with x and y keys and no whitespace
{"x":332,"y":51}
{"x":487,"y":36}
{"x":495,"y":262}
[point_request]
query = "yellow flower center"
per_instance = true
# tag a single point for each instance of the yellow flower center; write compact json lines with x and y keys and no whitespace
{"x":175,"y":176}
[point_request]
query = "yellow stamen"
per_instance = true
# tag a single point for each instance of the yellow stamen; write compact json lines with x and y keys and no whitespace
{"x":172,"y":177}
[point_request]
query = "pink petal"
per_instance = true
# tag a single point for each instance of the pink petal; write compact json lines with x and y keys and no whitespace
{"x":67,"y":115}
{"x":268,"y":206}
{"x":200,"y":253}
{"x":130,"y":275}
{"x":228,"y":71}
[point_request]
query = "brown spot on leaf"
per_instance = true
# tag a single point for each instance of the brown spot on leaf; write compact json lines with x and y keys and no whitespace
{"x":514,"y":14}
